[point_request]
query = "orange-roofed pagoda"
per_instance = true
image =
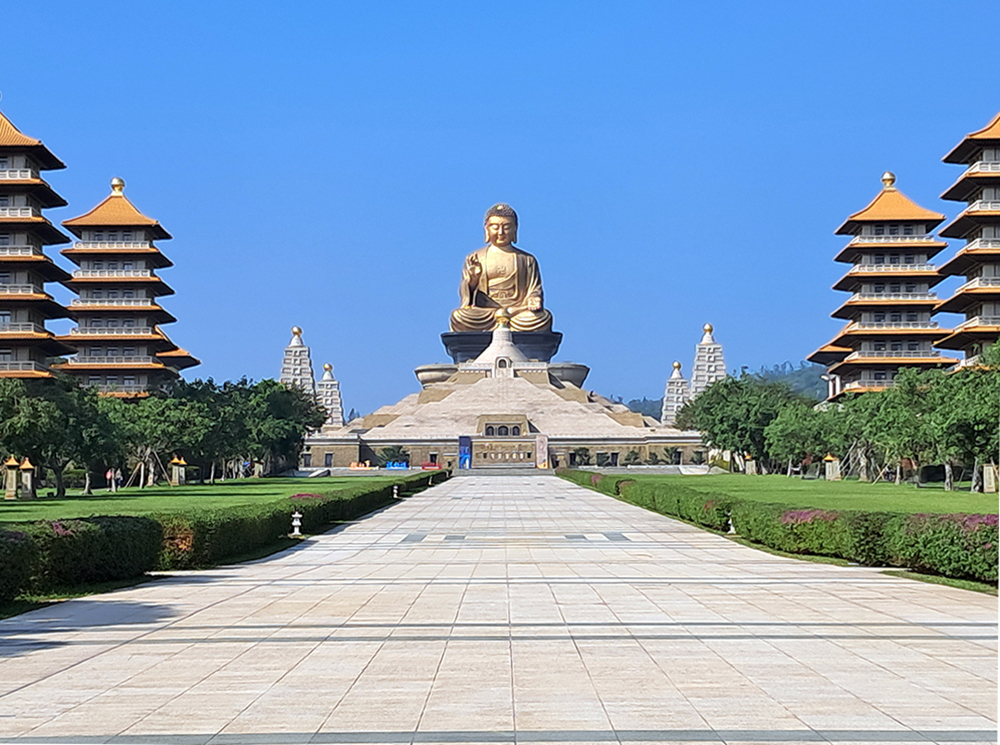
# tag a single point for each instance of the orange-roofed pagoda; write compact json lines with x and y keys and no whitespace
{"x":123,"y":352}
{"x":979,"y":226}
{"x":25,"y":306}
{"x":889,"y":310}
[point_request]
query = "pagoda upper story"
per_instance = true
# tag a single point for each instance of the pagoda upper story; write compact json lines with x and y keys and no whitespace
{"x":890,"y":280}
{"x":26,"y":344}
{"x":979,"y":226}
{"x":122,"y":349}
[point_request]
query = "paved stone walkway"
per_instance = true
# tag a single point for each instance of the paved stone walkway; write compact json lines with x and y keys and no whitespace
{"x":503,"y":609}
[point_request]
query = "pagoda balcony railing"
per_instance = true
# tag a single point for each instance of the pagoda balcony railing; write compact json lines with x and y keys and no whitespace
{"x":119,"y":302}
{"x":892,"y":239}
{"x":22,"y":328}
{"x":984,"y":205}
{"x":112,"y":359}
{"x":891,"y":268}
{"x":112,"y":331}
{"x":894,"y":296}
{"x":20,"y":212}
{"x":20,"y":251}
{"x":892,"y":354}
{"x":968,"y":362}
{"x":864,"y":383}
{"x":979,"y":282}
{"x":21,"y":290}
{"x":984,"y":166}
{"x":115,"y":388}
{"x":982,"y":243}
{"x":976,"y":321}
{"x":17,"y":174}
{"x":891,"y":325}
{"x":83,"y":273}
{"x":112,"y":245}
{"x":22,"y":366}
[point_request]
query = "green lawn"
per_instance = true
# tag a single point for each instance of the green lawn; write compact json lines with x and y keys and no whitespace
{"x":837,"y":495}
{"x":135,"y":501}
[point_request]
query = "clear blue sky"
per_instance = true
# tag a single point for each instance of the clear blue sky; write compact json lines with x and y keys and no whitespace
{"x":328,"y":164}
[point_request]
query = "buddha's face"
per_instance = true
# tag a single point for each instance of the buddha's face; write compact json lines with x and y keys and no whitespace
{"x":501,"y":231}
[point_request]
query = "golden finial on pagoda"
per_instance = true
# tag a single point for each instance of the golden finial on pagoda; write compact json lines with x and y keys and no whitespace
{"x":296,"y":331}
{"x":117,"y":185}
{"x":708,"y":328}
{"x":888,"y":180}
{"x":327,"y":366}
{"x":677,"y":365}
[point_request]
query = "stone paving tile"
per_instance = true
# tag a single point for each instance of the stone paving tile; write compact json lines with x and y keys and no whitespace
{"x":500,"y":610}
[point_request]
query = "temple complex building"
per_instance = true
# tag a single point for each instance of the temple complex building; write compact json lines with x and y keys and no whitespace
{"x":978,"y":261}
{"x":26,"y":345}
{"x":296,"y":367}
{"x":889,"y":311}
{"x":122,"y":350}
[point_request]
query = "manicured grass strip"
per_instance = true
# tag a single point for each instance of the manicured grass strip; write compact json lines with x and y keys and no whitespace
{"x":937,"y":579}
{"x":957,"y":545}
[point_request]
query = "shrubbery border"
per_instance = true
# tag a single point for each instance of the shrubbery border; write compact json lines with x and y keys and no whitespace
{"x":44,"y":555}
{"x":961,"y":546}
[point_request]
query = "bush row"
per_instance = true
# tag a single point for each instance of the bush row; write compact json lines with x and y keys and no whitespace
{"x":960,"y":546}
{"x":46,"y":555}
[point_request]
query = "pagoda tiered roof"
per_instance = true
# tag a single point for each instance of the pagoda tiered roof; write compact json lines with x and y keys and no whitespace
{"x":14,"y":140}
{"x":116,"y":211}
{"x":890,"y":205}
{"x":988,"y":136}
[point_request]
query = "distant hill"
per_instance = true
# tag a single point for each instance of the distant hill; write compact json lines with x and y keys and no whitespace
{"x":806,"y":378}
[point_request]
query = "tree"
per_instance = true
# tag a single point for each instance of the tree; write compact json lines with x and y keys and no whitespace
{"x":733,"y":413}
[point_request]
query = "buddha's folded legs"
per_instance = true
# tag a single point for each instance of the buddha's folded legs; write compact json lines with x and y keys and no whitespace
{"x":531,"y":320}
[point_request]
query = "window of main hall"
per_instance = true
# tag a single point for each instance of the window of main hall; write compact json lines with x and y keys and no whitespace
{"x":503,"y":430}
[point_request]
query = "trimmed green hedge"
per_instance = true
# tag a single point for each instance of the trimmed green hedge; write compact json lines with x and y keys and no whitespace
{"x":45,"y":555}
{"x":959,"y":546}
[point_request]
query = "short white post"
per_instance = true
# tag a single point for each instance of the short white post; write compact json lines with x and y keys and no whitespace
{"x":395,"y":491}
{"x":296,"y":523}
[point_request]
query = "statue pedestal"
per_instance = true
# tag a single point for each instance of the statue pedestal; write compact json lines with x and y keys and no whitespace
{"x":538,"y":346}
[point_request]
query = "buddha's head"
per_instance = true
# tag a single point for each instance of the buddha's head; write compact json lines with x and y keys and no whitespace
{"x":501,"y":225}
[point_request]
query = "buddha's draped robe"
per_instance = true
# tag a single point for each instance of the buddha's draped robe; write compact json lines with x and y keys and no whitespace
{"x":509,"y":279}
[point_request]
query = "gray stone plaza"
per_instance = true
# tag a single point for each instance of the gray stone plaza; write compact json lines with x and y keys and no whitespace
{"x":501,"y":609}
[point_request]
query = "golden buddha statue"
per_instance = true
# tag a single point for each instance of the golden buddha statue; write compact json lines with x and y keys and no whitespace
{"x":500,"y":276}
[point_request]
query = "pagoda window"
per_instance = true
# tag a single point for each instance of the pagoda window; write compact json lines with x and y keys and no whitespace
{"x":879,"y":375}
{"x":112,"y":294}
{"x":328,"y":459}
{"x":880,"y":230}
{"x":97,"y":351}
{"x":128,"y":351}
{"x":112,"y":352}
{"x":911,"y":288}
{"x":4,"y":239}
{"x":907,"y":230}
{"x":878,"y":346}
{"x":128,"y":380}
{"x":112,"y":265}
{"x":895,"y":317}
{"x":112,"y":379}
{"x":97,"y":264}
{"x":4,"y":317}
{"x":879,"y":288}
{"x":909,"y":259}
{"x":912,"y":317}
{"x":97,"y":235}
{"x":913,"y":346}
{"x":893,"y":259}
{"x":879,"y":258}
{"x":896,"y":346}
{"x":4,"y":164}
{"x":515,"y":431}
{"x":95,"y":380}
{"x":4,"y":200}
{"x":5,"y":278}
{"x":113,"y":236}
{"x":6,"y":355}
{"x":893,"y":230}
{"x":878,"y":317}
{"x":502,"y":431}
{"x":128,"y":323}
{"x":127,"y":265}
{"x":127,"y":235}
{"x":892,"y":288}
{"x":112,"y":323}
{"x":128,"y":294}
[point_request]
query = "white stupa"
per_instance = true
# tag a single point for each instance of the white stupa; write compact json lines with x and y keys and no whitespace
{"x":328,"y":394}
{"x":296,"y":367}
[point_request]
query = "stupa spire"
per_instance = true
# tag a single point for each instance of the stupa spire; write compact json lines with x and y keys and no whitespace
{"x":675,"y":395}
{"x":709,"y":363}
{"x":296,"y":368}
{"x":328,"y":394}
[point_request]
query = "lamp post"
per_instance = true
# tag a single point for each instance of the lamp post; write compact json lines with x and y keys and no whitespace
{"x":27,"y":479}
{"x":296,"y":524}
{"x":10,"y":481}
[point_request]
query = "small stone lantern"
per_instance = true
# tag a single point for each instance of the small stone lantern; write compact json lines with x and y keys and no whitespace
{"x":178,"y":471}
{"x":296,"y":524}
{"x":27,"y":480}
{"x":10,"y":478}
